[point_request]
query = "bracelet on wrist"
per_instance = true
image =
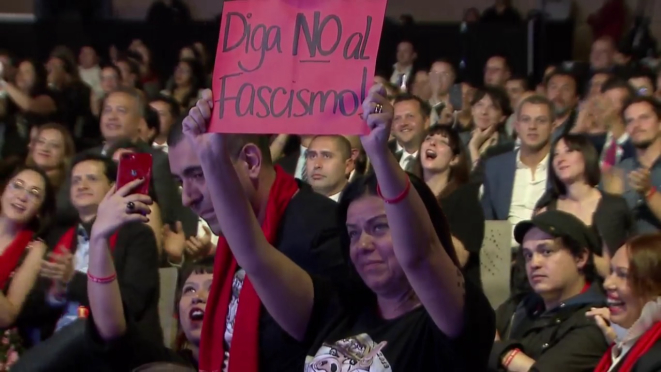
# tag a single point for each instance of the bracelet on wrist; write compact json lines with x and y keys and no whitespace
{"x":399,"y":197}
{"x":510,"y":357}
{"x":102,"y":280}
{"x":650,"y":193}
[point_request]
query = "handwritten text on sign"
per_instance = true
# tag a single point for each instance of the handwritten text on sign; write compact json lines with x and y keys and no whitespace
{"x":295,"y":69}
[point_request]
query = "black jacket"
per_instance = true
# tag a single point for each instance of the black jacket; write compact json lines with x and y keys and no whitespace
{"x":136,"y":261}
{"x":562,"y":339}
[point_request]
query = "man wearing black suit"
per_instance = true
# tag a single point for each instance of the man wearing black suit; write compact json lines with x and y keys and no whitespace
{"x":412,"y":117}
{"x":403,"y":71}
{"x":120,"y":119}
{"x":294,"y":162}
{"x":614,"y":145}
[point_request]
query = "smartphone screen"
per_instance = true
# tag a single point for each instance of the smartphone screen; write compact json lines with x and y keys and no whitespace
{"x":133,"y":166}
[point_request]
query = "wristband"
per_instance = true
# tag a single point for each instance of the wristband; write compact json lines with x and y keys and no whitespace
{"x":397,"y":198}
{"x":510,"y":357}
{"x":650,"y":192}
{"x":106,"y":280}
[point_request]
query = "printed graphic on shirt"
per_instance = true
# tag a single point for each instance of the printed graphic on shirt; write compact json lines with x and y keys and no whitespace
{"x":237,"y":284}
{"x":355,"y":354}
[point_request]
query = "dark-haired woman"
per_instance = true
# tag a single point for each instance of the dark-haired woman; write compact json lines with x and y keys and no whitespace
{"x":445,"y":168}
{"x":411,"y":309}
{"x":27,"y":101}
{"x":575,"y":175}
{"x":26,"y":207}
{"x":188,"y":80}
{"x":632,"y":320}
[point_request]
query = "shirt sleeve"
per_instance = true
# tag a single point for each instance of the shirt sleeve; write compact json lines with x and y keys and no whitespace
{"x":579,"y":350}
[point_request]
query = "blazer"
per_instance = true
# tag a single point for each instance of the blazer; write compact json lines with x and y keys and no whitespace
{"x":499,"y":172}
{"x":599,"y":142}
{"x":136,"y":261}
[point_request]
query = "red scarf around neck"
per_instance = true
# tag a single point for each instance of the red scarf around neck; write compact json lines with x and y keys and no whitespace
{"x":12,"y":254}
{"x":644,"y":343}
{"x":246,"y":324}
{"x":67,"y":241}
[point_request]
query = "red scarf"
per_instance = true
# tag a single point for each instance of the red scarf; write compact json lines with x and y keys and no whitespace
{"x":12,"y":255}
{"x":644,"y":343}
{"x":244,"y":344}
{"x":67,"y":240}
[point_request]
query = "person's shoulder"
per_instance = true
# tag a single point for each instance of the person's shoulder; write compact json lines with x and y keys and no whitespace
{"x":627,"y":164}
{"x":612,"y":200}
{"x":499,"y":155}
{"x":309,"y":203}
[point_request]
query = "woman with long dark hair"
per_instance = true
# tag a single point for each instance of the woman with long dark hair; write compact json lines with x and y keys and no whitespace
{"x":445,"y":168}
{"x":29,"y":102}
{"x":575,"y":176}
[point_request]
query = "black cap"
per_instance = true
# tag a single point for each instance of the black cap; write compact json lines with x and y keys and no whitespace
{"x":561,"y":225}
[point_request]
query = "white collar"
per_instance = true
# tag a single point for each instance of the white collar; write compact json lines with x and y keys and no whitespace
{"x":542,"y":164}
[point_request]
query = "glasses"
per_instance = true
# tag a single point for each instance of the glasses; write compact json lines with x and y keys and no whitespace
{"x":34,"y":194}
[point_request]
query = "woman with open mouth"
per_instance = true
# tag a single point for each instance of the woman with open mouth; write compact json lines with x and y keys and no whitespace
{"x":632,"y":320}
{"x":26,"y":205}
{"x":445,"y":167}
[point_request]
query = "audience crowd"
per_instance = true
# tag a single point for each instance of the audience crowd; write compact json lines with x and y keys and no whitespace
{"x":331,"y":252}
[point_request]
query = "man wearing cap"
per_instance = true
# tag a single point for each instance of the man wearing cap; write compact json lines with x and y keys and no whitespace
{"x":548,"y":330}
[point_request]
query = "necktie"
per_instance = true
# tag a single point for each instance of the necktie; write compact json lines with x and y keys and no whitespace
{"x":611,"y":154}
{"x":401,"y":81}
{"x":407,"y":162}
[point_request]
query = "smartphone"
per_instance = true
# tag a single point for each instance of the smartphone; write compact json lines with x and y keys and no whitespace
{"x":133,"y":166}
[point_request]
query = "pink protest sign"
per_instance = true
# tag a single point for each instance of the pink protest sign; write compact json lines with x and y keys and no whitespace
{"x":295,"y":66}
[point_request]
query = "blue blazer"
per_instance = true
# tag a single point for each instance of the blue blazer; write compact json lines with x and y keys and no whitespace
{"x":499,"y":172}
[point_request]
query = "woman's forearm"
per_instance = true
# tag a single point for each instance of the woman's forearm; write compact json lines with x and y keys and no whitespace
{"x":105,"y":298}
{"x":40,"y":105}
{"x":21,"y":285}
{"x":432,"y":273}
{"x":283,"y":287}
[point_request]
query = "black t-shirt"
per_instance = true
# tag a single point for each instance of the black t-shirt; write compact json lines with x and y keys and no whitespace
{"x":360,"y":338}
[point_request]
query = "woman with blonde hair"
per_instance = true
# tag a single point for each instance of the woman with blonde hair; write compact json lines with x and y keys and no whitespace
{"x":52,"y":151}
{"x":632,"y":320}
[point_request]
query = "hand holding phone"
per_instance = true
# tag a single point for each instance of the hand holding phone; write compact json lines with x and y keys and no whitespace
{"x":133,"y":166}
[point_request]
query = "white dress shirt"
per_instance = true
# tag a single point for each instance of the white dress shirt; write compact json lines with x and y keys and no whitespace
{"x":404,"y":74}
{"x":528,"y":188}
{"x":163,"y":147}
{"x":301,"y":163}
{"x":92,"y":77}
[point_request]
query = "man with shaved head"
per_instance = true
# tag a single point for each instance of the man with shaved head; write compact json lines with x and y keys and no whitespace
{"x":328,"y":163}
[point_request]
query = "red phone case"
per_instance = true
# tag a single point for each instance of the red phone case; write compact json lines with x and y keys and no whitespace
{"x":133,"y":166}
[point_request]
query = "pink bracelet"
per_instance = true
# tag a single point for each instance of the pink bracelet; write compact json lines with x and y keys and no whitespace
{"x":105,"y":280}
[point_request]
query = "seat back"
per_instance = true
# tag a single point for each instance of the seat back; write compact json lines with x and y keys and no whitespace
{"x":166,"y":304}
{"x":496,"y":261}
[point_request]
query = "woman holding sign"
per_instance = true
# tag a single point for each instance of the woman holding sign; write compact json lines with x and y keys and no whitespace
{"x":411,"y":311}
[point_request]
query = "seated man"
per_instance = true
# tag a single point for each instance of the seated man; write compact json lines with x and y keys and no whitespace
{"x":548,"y":329}
{"x":62,"y":289}
{"x":328,"y":163}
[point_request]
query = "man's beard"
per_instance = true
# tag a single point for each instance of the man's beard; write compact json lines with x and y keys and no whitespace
{"x":642,"y":145}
